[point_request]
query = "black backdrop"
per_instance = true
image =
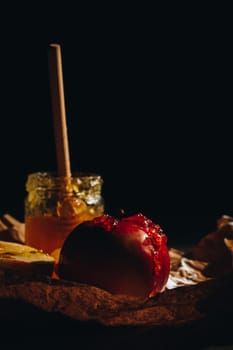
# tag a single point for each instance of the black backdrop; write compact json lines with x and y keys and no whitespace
{"x":149,"y":105}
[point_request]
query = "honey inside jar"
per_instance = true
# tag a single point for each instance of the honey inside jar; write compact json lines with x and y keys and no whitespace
{"x":55,"y":205}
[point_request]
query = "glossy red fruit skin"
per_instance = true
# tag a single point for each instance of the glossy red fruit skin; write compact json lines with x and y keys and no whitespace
{"x":151,"y":241}
{"x":136,"y":234}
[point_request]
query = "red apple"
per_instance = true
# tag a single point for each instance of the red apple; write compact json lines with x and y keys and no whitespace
{"x":123,"y":256}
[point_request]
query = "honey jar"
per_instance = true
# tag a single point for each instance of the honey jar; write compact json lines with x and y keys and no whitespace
{"x":55,"y":205}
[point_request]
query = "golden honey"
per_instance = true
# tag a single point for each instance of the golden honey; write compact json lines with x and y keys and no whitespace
{"x":55,"y":205}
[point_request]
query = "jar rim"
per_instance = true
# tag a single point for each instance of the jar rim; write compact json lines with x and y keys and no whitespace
{"x":53,"y":174}
{"x":77,"y":181}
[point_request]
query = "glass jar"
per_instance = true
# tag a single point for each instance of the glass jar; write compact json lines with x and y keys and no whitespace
{"x":55,"y":205}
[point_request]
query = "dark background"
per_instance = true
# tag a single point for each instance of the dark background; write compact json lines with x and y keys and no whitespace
{"x":149,"y":107}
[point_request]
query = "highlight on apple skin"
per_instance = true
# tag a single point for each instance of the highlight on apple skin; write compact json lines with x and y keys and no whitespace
{"x":122,"y":256}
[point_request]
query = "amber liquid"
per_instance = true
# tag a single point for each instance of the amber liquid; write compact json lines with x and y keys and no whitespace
{"x":48,"y":232}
